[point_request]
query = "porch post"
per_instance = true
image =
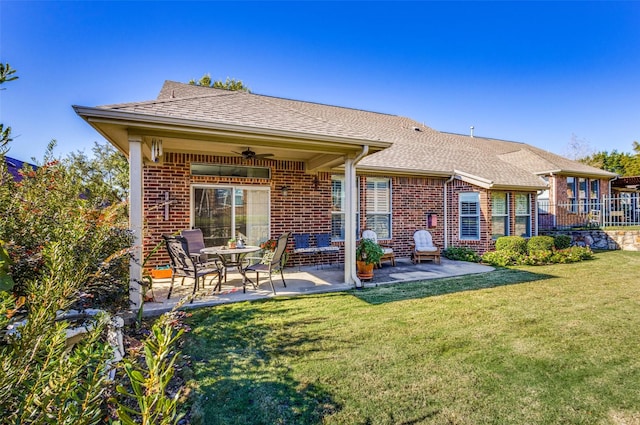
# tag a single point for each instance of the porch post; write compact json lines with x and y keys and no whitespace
{"x":350,"y":222}
{"x":135,"y":220}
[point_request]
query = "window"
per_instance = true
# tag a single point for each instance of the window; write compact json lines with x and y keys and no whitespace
{"x":499,"y":214}
{"x":582,"y":192}
{"x":225,"y":212}
{"x":230,"y":171}
{"x":594,"y":195}
{"x":378,"y":205}
{"x":338,"y":209}
{"x":571,"y":194}
{"x":523,"y":215}
{"x":470,"y":216}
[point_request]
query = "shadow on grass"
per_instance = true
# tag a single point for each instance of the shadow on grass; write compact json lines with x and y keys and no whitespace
{"x":435,"y":287}
{"x":235,"y":352}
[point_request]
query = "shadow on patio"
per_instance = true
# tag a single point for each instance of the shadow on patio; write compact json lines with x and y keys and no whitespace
{"x":301,"y":281}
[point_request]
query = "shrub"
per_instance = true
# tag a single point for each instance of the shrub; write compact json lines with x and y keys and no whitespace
{"x":573,"y":254}
{"x":512,"y":243}
{"x":461,"y":253}
{"x":562,"y":241}
{"x":503,"y":258}
{"x":540,"y":243}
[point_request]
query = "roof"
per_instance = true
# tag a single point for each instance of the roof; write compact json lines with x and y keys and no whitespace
{"x":411,"y":147}
{"x":14,"y":165}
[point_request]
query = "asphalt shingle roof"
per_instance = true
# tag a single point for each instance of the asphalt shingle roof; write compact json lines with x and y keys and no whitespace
{"x":416,"y":148}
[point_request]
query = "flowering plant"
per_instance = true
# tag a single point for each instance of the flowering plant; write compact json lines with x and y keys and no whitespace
{"x":269,"y":245}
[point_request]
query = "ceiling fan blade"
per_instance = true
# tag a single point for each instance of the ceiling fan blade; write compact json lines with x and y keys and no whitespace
{"x":262,"y":155}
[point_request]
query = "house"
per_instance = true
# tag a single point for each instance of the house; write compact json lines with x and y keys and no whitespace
{"x":15,"y":165}
{"x":232,"y":162}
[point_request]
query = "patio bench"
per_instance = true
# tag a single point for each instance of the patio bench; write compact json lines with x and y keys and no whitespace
{"x":303,"y":246}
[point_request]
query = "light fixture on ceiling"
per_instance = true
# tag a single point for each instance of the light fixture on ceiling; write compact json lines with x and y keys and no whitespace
{"x":156,"y":149}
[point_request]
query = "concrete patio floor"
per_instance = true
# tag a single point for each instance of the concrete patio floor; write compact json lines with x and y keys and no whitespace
{"x":301,"y":281}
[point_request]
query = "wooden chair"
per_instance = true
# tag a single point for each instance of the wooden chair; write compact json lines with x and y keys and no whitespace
{"x":387,"y":251}
{"x":184,"y":265}
{"x":423,"y":248}
{"x":274,"y":265}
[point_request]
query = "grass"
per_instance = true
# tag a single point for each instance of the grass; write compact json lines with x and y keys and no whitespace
{"x":527,"y":345}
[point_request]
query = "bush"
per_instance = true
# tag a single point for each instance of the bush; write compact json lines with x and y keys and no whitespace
{"x":573,"y":254}
{"x":512,"y":243}
{"x":540,"y":243}
{"x":461,"y":253}
{"x":503,"y":258}
{"x":562,"y":241}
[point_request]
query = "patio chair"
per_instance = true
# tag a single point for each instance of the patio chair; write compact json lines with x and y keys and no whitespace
{"x":387,"y":251}
{"x":183,"y":264}
{"x":423,"y":248}
{"x":323,"y":244}
{"x":195,"y":242}
{"x":276,"y":264}
{"x":302,"y":245}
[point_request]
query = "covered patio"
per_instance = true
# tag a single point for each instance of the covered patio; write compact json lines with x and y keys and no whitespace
{"x":303,"y":281}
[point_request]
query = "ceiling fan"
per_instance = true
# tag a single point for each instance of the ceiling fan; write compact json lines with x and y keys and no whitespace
{"x":249,"y":154}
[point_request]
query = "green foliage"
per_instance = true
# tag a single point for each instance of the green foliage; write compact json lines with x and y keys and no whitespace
{"x":6,"y":281}
{"x":149,"y":381}
{"x":461,"y":253}
{"x":503,"y":257}
{"x":229,"y":84}
{"x":44,"y":381}
{"x":369,"y":251}
{"x":537,"y":257}
{"x":562,"y":241}
{"x":540,"y":243}
{"x":104,"y":176}
{"x":622,"y":163}
{"x":516,"y":244}
{"x":46,"y":208}
{"x":6,"y":74}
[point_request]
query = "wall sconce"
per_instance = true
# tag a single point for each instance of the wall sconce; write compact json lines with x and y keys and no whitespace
{"x":156,"y":149}
{"x":316,"y":183}
{"x":284,"y":190}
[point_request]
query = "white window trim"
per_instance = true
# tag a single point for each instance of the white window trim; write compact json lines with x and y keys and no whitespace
{"x":528,"y":215}
{"x":388,"y":213}
{"x":477,"y":216}
{"x":506,"y":215}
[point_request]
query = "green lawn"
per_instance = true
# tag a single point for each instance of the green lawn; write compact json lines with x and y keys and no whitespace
{"x":529,"y":345}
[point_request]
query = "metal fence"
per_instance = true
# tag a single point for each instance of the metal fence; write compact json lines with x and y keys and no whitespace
{"x":621,"y":210}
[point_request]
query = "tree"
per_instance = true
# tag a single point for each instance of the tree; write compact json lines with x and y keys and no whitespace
{"x":622,"y":163}
{"x":229,"y":84}
{"x":578,"y":148}
{"x":104,"y":176}
{"x":6,"y":75}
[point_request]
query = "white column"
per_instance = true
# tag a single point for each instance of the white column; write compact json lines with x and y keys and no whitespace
{"x":350,"y":227}
{"x":135,"y":220}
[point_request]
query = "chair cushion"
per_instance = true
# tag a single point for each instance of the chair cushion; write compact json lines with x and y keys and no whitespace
{"x":423,"y":241}
{"x":387,"y":250}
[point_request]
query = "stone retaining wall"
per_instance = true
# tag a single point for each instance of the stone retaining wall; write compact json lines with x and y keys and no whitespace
{"x":626,"y":240}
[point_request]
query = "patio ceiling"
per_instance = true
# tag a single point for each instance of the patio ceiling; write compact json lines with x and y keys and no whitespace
{"x":317,"y":151}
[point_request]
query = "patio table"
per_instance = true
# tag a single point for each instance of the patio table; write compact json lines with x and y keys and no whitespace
{"x":232,"y":257}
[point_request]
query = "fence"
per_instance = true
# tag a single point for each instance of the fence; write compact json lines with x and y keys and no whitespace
{"x":622,"y":210}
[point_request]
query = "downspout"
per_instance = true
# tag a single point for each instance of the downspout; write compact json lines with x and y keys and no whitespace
{"x":446,"y":212}
{"x":350,"y":275}
{"x":538,"y":193}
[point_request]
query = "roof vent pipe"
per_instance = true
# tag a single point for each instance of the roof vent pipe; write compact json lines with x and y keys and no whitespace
{"x":471,"y":128}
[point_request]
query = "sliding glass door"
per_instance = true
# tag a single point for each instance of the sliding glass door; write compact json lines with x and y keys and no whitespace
{"x":225,"y":212}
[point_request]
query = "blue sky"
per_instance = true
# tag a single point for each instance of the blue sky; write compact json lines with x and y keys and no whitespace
{"x":535,"y":72}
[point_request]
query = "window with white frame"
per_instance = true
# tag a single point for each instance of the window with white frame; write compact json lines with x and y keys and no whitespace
{"x":470,"y":216}
{"x":571,"y":194}
{"x":523,"y":214}
{"x":378,"y":204}
{"x":594,"y":195}
{"x":338,"y":209}
{"x":499,"y":214}
{"x":583,"y":194}
{"x":224,"y":212}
